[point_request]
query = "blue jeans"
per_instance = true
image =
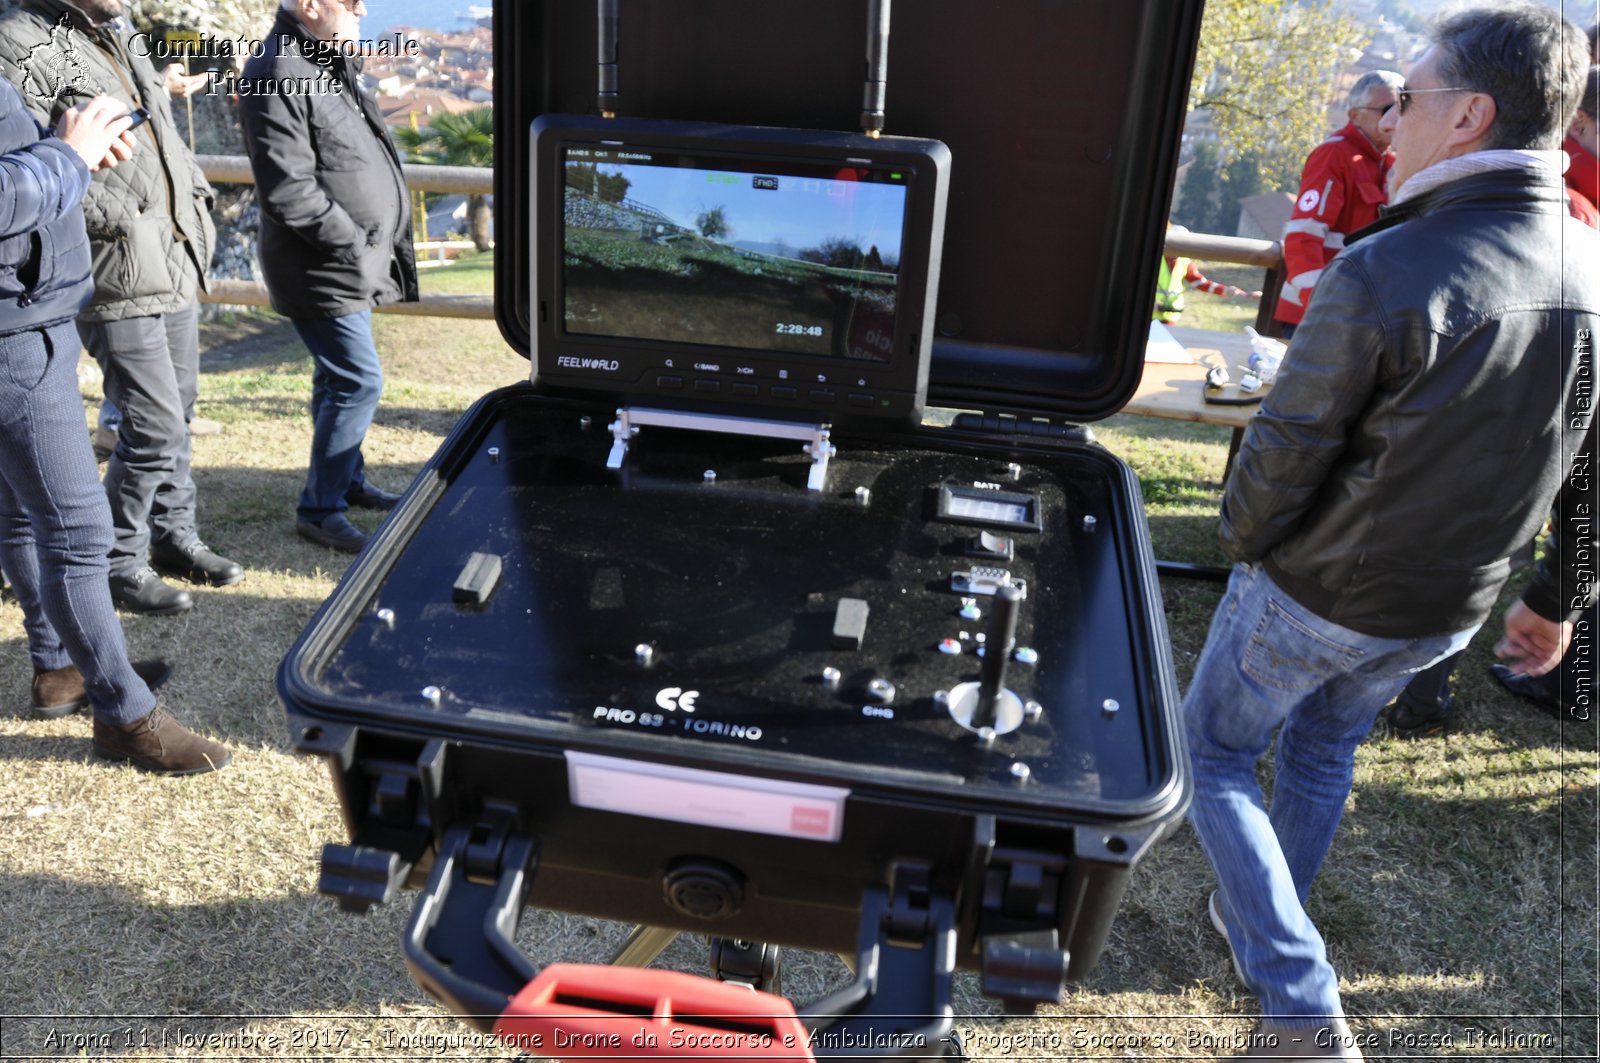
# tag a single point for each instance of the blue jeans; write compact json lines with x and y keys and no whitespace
{"x":1268,"y":661}
{"x":55,"y":527}
{"x":346,"y":383}
{"x":152,"y":368}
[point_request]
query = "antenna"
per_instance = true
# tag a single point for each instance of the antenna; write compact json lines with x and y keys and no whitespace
{"x":877,"y":85}
{"x":607,"y":10}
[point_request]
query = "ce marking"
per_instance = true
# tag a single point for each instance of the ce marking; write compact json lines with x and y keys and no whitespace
{"x":675,"y":698}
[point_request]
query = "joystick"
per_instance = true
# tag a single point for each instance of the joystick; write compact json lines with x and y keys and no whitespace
{"x":987,"y":705}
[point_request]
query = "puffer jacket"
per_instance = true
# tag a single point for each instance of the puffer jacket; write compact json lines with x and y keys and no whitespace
{"x":1429,"y":410}
{"x":335,"y":213}
{"x":148,"y":218}
{"x":44,"y":251}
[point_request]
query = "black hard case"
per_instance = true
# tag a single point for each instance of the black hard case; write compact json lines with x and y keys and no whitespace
{"x":448,"y":722}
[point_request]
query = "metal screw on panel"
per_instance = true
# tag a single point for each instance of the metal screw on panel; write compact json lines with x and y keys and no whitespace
{"x":709,"y":476}
{"x":1089,"y":523}
{"x":830,"y":678}
{"x":941,"y":698}
{"x":386,"y":617}
{"x":880,"y":690}
{"x":645,"y":654}
{"x":432,"y":695}
{"x":1110,"y":706}
{"x":494,"y":455}
{"x":585,"y":422}
{"x":1013,"y":470}
{"x":985,"y":737}
{"x":1020,"y":771}
{"x":864,"y":495}
{"x":1032,"y":710}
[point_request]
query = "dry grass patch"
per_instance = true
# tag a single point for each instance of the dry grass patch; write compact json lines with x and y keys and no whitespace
{"x":1461,"y":888}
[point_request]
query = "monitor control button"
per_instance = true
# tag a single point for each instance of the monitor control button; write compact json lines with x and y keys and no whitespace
{"x":746,"y":390}
{"x":710,"y":387}
{"x":670,"y":383}
{"x":784,"y":391}
{"x":822,"y":395}
{"x":863,"y":401}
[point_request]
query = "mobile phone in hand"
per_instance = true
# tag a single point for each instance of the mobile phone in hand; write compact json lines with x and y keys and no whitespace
{"x":139,"y":117}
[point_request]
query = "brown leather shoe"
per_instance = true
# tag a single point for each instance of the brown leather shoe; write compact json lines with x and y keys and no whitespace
{"x":160,"y":744}
{"x":60,"y":691}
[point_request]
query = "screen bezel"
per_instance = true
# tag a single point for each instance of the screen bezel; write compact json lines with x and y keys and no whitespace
{"x":826,"y":387}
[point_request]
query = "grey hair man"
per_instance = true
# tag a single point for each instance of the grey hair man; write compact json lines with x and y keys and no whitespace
{"x":1341,"y":189}
{"x":335,"y":239}
{"x":1431,"y":410}
{"x":150,"y":226}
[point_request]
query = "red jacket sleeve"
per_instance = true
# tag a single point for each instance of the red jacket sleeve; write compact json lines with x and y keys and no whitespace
{"x":1324,"y":183}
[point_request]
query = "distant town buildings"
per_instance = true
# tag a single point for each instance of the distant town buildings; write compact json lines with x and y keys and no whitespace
{"x":445,"y":73}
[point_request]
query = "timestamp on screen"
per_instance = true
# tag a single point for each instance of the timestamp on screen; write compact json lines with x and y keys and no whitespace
{"x":786,"y":328}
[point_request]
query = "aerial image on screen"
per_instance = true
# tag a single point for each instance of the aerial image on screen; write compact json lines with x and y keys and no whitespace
{"x":794,"y":258}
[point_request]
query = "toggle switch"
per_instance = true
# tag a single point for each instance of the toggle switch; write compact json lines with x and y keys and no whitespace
{"x":991,"y":547}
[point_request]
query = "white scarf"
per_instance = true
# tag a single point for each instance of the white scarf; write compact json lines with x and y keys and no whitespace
{"x":1553,"y":162}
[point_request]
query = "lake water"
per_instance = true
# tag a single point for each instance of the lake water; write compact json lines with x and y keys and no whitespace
{"x":428,"y":14}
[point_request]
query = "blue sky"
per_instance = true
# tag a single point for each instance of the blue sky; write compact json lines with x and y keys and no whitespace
{"x":801,"y":213}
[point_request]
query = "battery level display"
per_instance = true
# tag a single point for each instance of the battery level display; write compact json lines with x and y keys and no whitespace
{"x":960,"y":504}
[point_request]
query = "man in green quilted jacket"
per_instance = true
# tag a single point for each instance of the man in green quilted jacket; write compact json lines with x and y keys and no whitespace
{"x":152,"y":236}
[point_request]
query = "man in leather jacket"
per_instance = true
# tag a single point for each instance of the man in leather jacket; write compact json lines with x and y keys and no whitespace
{"x":150,"y":225}
{"x":335,"y":239}
{"x":1432,"y":407}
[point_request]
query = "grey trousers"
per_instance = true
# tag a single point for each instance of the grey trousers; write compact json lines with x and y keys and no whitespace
{"x":152,"y":371}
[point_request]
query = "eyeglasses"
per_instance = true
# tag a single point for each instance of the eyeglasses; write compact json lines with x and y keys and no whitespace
{"x":1402,"y":99}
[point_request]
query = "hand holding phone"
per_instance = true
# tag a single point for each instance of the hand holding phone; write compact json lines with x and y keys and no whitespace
{"x":98,"y":131}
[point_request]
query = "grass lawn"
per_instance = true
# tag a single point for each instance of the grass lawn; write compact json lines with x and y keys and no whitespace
{"x":179,"y":918}
{"x":1223,"y":313}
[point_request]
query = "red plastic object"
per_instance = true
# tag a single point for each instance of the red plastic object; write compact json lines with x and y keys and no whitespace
{"x":580,"y":1011}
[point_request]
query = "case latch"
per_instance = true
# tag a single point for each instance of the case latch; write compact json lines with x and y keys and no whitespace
{"x":393,"y":831}
{"x":1022,"y":962}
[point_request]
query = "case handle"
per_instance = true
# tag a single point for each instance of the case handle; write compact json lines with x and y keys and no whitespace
{"x":577,"y":1011}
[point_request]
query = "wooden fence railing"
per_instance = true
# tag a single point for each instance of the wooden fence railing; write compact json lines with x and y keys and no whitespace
{"x":235,"y":169}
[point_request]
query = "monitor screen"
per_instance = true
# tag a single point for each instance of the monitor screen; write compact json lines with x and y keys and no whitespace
{"x":728,"y":252}
{"x":727,"y":266}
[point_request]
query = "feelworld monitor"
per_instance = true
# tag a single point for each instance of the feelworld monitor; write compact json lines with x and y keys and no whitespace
{"x":784,"y":272}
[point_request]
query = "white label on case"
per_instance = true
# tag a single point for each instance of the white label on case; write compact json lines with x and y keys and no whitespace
{"x":707,"y":798}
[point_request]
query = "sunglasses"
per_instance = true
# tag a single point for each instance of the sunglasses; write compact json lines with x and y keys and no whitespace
{"x":1402,"y":99}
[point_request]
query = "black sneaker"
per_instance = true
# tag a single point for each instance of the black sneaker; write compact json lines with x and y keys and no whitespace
{"x":197,"y":563}
{"x":369,"y":497}
{"x":142,"y":591}
{"x":335,"y":532}
{"x":1410,"y":718}
{"x":1538,"y":689}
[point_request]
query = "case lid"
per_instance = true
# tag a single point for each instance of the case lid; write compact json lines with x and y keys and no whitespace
{"x":1062,"y":119}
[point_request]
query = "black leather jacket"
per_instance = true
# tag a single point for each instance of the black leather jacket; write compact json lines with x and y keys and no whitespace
{"x":1423,"y":422}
